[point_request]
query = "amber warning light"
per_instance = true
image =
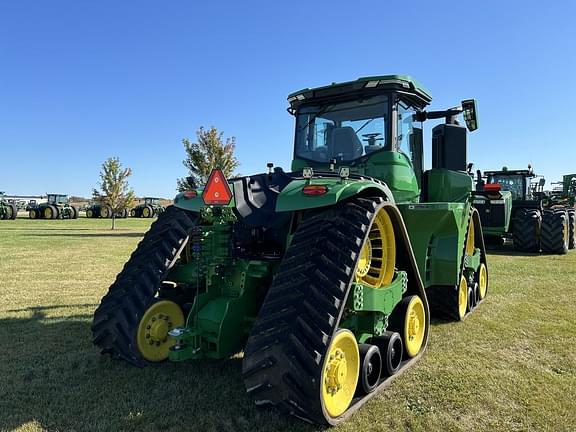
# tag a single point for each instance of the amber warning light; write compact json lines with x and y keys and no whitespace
{"x":217,"y":191}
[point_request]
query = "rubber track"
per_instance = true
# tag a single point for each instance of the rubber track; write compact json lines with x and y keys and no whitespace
{"x":552,"y":232}
{"x":572,"y":228}
{"x":285,"y":350}
{"x":116,"y":319}
{"x":526,"y":228}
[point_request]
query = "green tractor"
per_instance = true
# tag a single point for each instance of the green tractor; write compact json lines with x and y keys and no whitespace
{"x":512,"y":204}
{"x":57,"y":206}
{"x":8,"y":210}
{"x":325,"y":277}
{"x":150,"y":208}
{"x":99,"y":210}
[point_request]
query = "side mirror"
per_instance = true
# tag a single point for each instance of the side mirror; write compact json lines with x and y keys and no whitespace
{"x":469,"y":112}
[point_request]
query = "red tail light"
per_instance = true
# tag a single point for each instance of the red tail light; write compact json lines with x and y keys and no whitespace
{"x":190,"y":194}
{"x":314,"y":190}
{"x":492,"y":187}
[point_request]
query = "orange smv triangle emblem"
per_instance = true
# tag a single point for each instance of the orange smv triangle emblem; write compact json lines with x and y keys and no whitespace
{"x":217,"y":191}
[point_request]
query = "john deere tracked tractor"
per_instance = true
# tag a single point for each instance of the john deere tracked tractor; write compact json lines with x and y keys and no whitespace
{"x":150,"y":208}
{"x":8,"y":210}
{"x":99,"y":210}
{"x":56,"y":207}
{"x":324,"y":276}
{"x":513,"y":204}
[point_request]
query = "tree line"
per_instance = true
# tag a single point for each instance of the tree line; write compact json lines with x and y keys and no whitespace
{"x":210,"y":150}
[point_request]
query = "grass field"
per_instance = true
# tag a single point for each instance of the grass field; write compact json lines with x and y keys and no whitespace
{"x":510,"y":367}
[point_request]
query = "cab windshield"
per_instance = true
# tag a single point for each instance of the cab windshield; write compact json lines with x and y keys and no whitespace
{"x":343,"y":131}
{"x":514,"y":183}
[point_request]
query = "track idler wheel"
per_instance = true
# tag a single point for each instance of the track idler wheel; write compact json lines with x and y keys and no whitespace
{"x":370,"y":368}
{"x":340,"y":373}
{"x":152,"y":334}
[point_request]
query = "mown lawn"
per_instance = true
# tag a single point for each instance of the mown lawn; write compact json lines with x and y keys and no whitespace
{"x":510,"y":367}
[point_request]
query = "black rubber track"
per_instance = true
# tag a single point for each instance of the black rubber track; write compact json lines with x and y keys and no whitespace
{"x":526,"y":234}
{"x":572,"y":228}
{"x":116,"y":319}
{"x":552,"y":233}
{"x":285,"y":351}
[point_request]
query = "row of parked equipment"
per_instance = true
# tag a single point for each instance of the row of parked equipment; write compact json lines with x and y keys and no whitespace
{"x":58,"y":206}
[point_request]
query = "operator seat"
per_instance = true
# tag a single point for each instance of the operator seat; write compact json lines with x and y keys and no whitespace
{"x":345,"y":142}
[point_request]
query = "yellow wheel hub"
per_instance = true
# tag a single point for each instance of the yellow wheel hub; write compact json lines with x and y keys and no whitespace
{"x":482,"y":280}
{"x":32,"y":214}
{"x":152,"y":335}
{"x":48,"y":213}
{"x":378,"y":254}
{"x":470,"y":240}
{"x":340,"y":373}
{"x":462,"y":297}
{"x":414,"y":326}
{"x":146,"y":212}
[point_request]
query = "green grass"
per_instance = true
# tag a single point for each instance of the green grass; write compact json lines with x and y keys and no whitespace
{"x":510,"y":367}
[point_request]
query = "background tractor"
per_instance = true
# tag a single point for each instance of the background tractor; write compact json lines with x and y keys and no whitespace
{"x":8,"y":210}
{"x":326,"y":276}
{"x":57,"y":206}
{"x":99,"y":210}
{"x":149,"y":208}
{"x":512,"y":204}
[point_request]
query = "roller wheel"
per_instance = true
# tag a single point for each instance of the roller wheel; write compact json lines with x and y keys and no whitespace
{"x":482,"y":281}
{"x":33,"y":214}
{"x":133,"y":213}
{"x":526,"y":230}
{"x":471,"y":300}
{"x":370,"y":368}
{"x":391,"y":350}
{"x":555,"y":231}
{"x":89,"y":213}
{"x":408,"y":319}
{"x":572,"y":228}
{"x":117,"y":324}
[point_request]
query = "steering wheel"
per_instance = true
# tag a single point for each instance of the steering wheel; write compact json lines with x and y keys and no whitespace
{"x":371,"y":138}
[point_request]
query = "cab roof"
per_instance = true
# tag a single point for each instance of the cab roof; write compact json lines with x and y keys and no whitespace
{"x":365,"y":85}
{"x":525,"y":173}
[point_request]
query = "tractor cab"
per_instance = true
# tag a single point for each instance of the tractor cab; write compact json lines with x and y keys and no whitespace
{"x":152,"y":201}
{"x":57,"y":199}
{"x":374,"y":126}
{"x":518,"y":182}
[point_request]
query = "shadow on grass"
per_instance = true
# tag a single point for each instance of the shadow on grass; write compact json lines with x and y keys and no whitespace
{"x":90,"y":235}
{"x":54,"y":378}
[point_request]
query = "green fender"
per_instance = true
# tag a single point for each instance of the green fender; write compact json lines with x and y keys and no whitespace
{"x":292,"y":198}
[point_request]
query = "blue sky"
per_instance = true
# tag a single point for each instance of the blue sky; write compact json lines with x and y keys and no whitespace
{"x":84,"y":80}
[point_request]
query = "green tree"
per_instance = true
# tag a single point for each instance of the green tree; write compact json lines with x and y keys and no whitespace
{"x":114,"y":189}
{"x":209,"y":152}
